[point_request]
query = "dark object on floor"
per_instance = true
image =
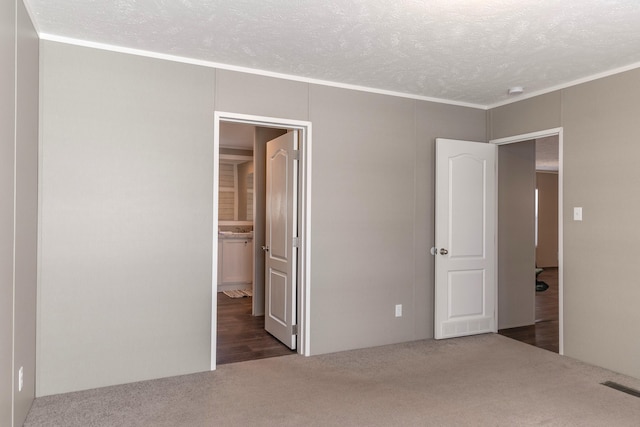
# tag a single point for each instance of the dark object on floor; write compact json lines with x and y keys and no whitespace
{"x":541,"y":286}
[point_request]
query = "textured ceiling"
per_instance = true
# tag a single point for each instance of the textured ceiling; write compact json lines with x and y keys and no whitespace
{"x":465,"y":51}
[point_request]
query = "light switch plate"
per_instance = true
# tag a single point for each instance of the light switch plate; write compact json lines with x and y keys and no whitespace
{"x":398,"y":310}
{"x":577,"y":214}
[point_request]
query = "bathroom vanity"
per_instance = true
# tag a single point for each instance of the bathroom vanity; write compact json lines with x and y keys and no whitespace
{"x":235,"y":260}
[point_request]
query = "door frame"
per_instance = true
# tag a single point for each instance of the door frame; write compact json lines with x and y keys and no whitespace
{"x":304,"y":203}
{"x":535,"y":135}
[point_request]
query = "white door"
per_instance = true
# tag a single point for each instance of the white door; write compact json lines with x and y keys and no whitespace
{"x":281,"y":238}
{"x":465,"y":245}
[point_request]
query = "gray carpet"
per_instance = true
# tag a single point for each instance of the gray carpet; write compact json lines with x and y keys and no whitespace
{"x":487,"y":380}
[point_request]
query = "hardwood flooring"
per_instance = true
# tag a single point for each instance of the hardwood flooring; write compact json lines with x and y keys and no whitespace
{"x":544,"y":333}
{"x":241,"y":336}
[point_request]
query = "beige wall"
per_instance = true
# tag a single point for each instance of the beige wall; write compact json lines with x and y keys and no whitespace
{"x":547,"y":249}
{"x":601,"y":128}
{"x":516,"y":234}
{"x":18,"y":213}
{"x":530,"y":115}
{"x":127,"y":207}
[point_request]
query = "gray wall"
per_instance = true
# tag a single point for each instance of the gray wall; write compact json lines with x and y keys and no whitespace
{"x":362,"y":207}
{"x":127,"y":207}
{"x":18,"y":214}
{"x":516,"y":234}
{"x":7,"y":174}
{"x":601,"y":292}
{"x":433,"y":121}
{"x":126,"y":227}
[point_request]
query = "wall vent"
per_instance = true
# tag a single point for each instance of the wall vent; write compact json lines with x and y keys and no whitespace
{"x":622,"y":388}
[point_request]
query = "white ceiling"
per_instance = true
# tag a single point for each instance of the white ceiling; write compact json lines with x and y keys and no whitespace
{"x":463,"y":51}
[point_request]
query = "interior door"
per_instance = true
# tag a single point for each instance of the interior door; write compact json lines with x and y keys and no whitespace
{"x":465,"y":245}
{"x":281,"y":238}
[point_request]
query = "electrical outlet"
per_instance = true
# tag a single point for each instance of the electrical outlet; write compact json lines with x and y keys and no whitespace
{"x":398,"y":310}
{"x":20,"y":378}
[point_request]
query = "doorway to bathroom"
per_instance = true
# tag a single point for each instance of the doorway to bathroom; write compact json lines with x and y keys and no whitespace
{"x":251,"y":232}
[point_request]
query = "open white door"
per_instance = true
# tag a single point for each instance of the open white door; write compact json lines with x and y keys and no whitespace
{"x":281,"y":238}
{"x":465,"y":246}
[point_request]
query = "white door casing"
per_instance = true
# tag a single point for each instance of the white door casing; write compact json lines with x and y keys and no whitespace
{"x":281,"y":238}
{"x":559,"y":132}
{"x":465,"y":239}
{"x":304,"y":129}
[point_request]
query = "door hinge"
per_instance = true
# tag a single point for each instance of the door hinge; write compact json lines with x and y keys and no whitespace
{"x":296,"y":242}
{"x":294,"y":329}
{"x":295,"y":154}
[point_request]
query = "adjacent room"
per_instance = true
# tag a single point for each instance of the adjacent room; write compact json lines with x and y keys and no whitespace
{"x":241,"y":331}
{"x":529,"y":172}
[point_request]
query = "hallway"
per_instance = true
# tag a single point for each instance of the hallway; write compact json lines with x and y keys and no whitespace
{"x":544,"y":334}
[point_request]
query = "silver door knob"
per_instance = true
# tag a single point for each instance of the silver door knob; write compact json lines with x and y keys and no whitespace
{"x":443,"y":251}
{"x":265,"y":248}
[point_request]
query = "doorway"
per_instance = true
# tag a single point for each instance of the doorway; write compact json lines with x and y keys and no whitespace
{"x":548,"y":136}
{"x":264,"y":129}
{"x":546,"y":245}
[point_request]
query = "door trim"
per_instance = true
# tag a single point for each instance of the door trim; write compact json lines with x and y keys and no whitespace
{"x":304,"y":188}
{"x":534,"y":135}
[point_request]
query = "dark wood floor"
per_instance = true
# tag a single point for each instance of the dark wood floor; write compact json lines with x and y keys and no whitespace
{"x":544,"y":333}
{"x":241,"y":336}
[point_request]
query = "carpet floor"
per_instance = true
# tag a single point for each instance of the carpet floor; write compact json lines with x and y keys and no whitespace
{"x":486,"y":380}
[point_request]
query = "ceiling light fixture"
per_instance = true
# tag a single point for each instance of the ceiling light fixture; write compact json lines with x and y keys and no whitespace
{"x":516,"y":90}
